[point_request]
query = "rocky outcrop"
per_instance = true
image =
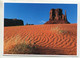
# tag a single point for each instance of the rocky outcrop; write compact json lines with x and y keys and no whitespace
{"x":13,"y":22}
{"x":57,"y":17}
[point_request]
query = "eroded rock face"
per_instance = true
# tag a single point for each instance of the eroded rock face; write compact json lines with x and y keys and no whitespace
{"x":57,"y":17}
{"x":12,"y":22}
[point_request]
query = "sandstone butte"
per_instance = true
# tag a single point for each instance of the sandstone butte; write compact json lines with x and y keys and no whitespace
{"x":13,"y":22}
{"x":57,"y":17}
{"x":50,"y":38}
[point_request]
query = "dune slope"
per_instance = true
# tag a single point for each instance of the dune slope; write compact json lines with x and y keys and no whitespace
{"x":54,"y":39}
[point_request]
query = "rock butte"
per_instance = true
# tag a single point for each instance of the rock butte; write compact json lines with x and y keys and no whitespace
{"x":12,"y":22}
{"x":57,"y":17}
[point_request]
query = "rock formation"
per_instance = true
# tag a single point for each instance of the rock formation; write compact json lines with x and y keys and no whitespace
{"x":12,"y":22}
{"x":57,"y":17}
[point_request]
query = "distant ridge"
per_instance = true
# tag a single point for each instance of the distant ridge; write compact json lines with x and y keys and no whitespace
{"x":12,"y":22}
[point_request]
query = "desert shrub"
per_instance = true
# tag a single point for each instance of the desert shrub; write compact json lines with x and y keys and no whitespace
{"x":22,"y":48}
{"x":29,"y":24}
{"x":55,"y":28}
{"x":63,"y":31}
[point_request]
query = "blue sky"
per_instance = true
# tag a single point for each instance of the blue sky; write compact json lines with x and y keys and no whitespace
{"x":37,"y":13}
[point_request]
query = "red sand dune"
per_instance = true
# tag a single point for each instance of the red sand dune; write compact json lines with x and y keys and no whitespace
{"x":56,"y":39}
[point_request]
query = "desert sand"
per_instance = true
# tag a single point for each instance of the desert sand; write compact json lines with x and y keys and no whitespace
{"x":53,"y":39}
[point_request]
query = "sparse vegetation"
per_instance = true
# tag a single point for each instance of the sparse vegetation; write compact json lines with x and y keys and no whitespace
{"x":29,"y":24}
{"x":62,"y":31}
{"x":55,"y":28}
{"x":58,"y":30}
{"x":22,"y":48}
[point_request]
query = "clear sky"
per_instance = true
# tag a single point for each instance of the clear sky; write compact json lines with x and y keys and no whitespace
{"x":33,"y":13}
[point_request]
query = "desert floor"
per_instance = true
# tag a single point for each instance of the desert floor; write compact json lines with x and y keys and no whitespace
{"x":53,"y":39}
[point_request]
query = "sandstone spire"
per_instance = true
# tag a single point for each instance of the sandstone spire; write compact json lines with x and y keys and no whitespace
{"x":65,"y":15}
